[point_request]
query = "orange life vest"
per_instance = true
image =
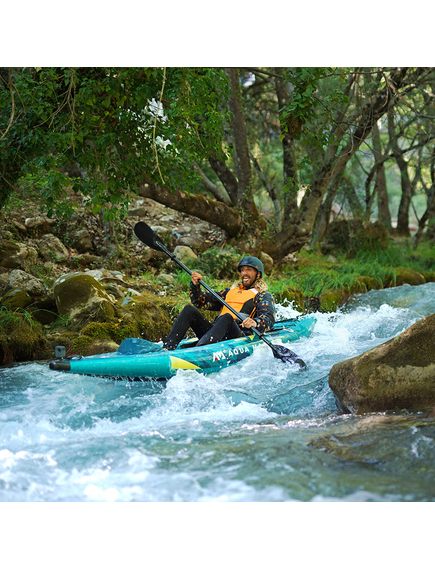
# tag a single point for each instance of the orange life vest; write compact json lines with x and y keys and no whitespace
{"x":236,"y":298}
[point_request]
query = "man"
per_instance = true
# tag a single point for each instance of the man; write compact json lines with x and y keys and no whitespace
{"x":249,"y":297}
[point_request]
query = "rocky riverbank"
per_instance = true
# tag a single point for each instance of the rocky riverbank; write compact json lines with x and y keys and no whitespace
{"x":87,"y":284}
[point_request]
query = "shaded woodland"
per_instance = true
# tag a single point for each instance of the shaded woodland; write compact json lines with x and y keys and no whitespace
{"x":270,"y":155}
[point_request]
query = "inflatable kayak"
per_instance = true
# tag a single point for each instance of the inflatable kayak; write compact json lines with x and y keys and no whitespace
{"x":138,"y":359}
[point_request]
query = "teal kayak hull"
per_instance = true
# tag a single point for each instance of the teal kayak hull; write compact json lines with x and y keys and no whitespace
{"x":160,"y":364}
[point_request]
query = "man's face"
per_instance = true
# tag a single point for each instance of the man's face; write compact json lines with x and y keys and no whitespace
{"x":248,"y":276}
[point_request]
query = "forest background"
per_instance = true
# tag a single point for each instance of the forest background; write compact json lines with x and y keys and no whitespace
{"x":270,"y":155}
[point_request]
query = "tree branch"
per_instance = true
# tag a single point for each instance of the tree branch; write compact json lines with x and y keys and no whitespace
{"x":204,"y":208}
{"x":217,"y":193}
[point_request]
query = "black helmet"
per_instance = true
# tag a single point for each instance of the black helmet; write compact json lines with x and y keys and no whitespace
{"x":251,"y":262}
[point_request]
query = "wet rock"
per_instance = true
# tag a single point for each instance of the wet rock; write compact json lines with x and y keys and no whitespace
{"x":80,"y":297}
{"x":29,"y":283}
{"x":92,"y":346}
{"x":52,"y":249}
{"x":399,"y":374}
{"x":330,"y":301}
{"x":406,"y":276}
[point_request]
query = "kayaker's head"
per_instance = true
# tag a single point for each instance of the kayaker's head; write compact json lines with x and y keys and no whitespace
{"x":250,"y":269}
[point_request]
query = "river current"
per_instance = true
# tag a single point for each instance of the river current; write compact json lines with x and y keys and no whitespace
{"x":259,"y":431}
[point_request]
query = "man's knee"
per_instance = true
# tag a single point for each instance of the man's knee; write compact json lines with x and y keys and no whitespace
{"x":226,"y":318}
{"x":189,"y":309}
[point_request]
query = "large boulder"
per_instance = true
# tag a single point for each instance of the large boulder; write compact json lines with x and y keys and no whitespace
{"x":80,"y":297}
{"x":399,"y":374}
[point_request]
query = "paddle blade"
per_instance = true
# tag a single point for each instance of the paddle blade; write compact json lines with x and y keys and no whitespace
{"x":286,"y":355}
{"x":145,"y":234}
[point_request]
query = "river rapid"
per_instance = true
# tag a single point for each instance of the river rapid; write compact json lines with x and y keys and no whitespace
{"x":259,"y":431}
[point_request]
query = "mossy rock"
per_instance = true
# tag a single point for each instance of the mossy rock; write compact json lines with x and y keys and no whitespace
{"x":8,"y":249}
{"x":21,"y":340}
{"x":396,"y":375}
{"x":16,"y":299}
{"x":87,"y":346}
{"x":363,"y":284}
{"x":330,"y":301}
{"x":291,"y":295}
{"x":405,"y":276}
{"x":83,"y":299}
{"x":65,"y":339}
{"x":154,"y":319}
{"x":115,"y":331}
{"x":148,"y":317}
{"x":429,"y":276}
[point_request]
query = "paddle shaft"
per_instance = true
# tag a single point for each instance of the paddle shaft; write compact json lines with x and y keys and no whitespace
{"x":215,"y":294}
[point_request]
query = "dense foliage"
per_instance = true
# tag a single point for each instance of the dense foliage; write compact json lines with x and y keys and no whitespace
{"x":271,"y":155}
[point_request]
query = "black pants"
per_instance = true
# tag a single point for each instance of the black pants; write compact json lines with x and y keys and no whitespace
{"x":223,"y":328}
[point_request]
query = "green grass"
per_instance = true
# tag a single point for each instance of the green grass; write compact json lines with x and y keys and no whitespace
{"x":315,"y":274}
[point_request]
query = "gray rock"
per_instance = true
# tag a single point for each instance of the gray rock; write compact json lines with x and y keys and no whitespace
{"x":267,"y":262}
{"x":137,"y":212}
{"x":16,"y":255}
{"x":29,"y":283}
{"x":39,"y":225}
{"x":82,"y":241}
{"x":52,"y":249}
{"x":184,"y":254}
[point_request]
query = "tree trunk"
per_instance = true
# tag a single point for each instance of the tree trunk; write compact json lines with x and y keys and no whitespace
{"x":430,"y":208}
{"x":325,"y":212}
{"x":405,"y":201}
{"x":384,"y":215}
{"x":242,"y":162}
{"x":290,"y":168}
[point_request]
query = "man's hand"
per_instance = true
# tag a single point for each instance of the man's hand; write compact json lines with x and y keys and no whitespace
{"x":196,"y":277}
{"x":249,"y":323}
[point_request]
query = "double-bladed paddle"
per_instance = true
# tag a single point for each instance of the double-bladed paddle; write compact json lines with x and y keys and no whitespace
{"x":145,"y":234}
